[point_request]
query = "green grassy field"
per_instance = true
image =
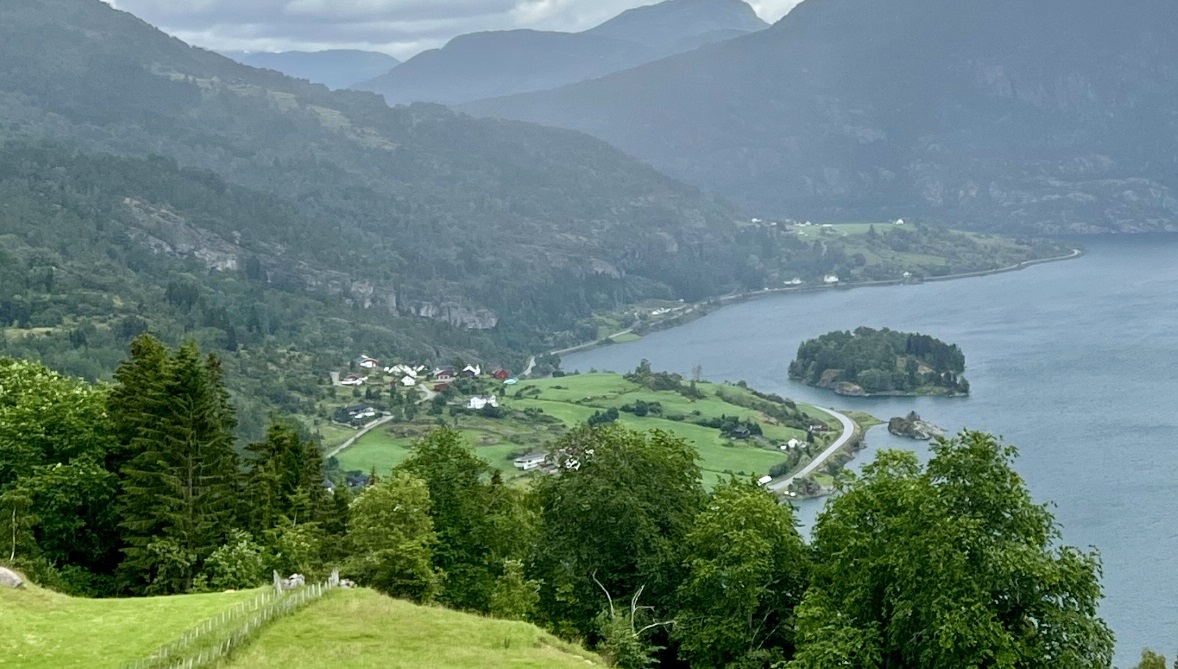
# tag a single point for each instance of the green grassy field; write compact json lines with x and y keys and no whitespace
{"x":921,"y":250}
{"x":40,"y":629}
{"x":361,"y":629}
{"x":571,"y":400}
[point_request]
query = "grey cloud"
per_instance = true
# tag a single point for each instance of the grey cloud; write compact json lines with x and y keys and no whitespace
{"x":399,"y":27}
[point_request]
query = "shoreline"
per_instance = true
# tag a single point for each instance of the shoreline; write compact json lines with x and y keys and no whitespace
{"x":699,"y":309}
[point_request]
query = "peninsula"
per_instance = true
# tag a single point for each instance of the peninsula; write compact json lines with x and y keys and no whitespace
{"x":869,"y":362}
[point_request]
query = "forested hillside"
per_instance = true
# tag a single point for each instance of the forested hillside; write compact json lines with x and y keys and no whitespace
{"x":425,"y":213}
{"x":1000,"y":114}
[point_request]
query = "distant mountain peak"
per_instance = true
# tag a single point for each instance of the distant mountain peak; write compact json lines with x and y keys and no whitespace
{"x":668,"y":25}
{"x":497,"y":63}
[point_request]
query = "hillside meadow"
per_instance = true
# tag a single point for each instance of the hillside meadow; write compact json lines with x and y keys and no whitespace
{"x":47,"y":630}
{"x":536,"y":413}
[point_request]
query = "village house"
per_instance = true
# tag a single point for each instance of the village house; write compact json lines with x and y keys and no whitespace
{"x":530,"y":461}
{"x":360,"y":412}
{"x":472,"y":372}
{"x":408,"y":381}
{"x":830,"y":279}
{"x":367,"y":363}
{"x":479,"y":403}
{"x":353,"y":380}
{"x":501,"y":375}
{"x":444,"y":374}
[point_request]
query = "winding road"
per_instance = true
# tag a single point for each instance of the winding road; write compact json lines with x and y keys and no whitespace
{"x":846,"y":436}
{"x":356,"y":437}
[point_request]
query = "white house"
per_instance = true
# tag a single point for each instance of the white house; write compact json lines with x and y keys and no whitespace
{"x":402,"y":370}
{"x":477,"y":403}
{"x":793,"y":444}
{"x":794,"y":282}
{"x":472,"y":371}
{"x":899,"y":221}
{"x":408,"y":381}
{"x":830,"y":279}
{"x":764,"y":480}
{"x":530,"y":461}
{"x":367,"y":363}
{"x":353,"y":380}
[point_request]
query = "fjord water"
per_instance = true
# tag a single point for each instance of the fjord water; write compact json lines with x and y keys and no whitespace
{"x":1075,"y":363}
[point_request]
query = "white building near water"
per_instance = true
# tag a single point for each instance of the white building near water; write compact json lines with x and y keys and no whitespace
{"x":830,"y":279}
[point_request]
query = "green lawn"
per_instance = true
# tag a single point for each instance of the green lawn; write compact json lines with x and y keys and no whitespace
{"x":572,"y":400}
{"x":496,"y":441}
{"x":46,"y":630}
{"x":361,"y":629}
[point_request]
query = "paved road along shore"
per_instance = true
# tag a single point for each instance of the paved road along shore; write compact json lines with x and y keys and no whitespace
{"x":846,"y":436}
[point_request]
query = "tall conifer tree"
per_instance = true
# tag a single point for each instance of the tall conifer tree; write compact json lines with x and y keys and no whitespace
{"x":181,"y":485}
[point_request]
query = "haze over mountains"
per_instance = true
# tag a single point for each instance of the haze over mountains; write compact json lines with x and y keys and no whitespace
{"x":489,"y":64}
{"x":334,"y":68}
{"x":1048,"y":116}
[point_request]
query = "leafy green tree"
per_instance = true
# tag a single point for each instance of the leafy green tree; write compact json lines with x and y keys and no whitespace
{"x":514,"y":596}
{"x":393,"y":538}
{"x":747,"y":571}
{"x":464,"y":509}
{"x":180,"y":490}
{"x":949,"y":565}
{"x":298,"y":549}
{"x":237,"y":565}
{"x":619,"y":510}
{"x":54,"y":490}
{"x":1151,"y":660}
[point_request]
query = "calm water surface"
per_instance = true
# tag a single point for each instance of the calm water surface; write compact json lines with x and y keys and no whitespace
{"x":1076,"y":363}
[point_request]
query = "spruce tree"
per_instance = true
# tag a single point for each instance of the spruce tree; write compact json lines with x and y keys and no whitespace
{"x":180,"y":488}
{"x":285,"y":480}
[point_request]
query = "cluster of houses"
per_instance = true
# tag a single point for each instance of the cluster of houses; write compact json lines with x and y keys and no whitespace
{"x":411,"y":376}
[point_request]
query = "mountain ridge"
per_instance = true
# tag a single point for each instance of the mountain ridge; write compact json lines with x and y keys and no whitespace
{"x":997,"y":114}
{"x":495,"y":63}
{"x":334,"y":68}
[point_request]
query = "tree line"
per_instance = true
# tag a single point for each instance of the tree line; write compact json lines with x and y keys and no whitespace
{"x":137,"y":488}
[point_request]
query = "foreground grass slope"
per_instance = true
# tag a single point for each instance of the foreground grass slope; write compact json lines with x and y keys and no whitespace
{"x":361,"y":629}
{"x":41,"y":629}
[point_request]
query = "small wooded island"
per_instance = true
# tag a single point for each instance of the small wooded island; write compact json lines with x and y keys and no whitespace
{"x":870,"y":362}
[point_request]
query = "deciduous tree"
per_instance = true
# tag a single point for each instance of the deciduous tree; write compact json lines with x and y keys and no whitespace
{"x":949,"y":565}
{"x":747,"y":569}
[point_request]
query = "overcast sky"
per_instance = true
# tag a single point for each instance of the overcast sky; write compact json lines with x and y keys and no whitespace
{"x":398,"y":27}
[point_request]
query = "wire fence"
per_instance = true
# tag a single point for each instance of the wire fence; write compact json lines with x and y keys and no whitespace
{"x":216,"y":637}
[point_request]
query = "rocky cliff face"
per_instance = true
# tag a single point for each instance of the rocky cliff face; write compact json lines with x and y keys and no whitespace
{"x":164,"y":232}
